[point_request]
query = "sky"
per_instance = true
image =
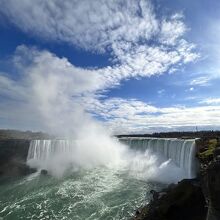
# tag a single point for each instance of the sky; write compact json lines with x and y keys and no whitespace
{"x":136,"y":66}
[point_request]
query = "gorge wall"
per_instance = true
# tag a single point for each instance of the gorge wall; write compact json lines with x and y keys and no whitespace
{"x":13,"y":154}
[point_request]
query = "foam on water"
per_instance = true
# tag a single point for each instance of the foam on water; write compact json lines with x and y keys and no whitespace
{"x":100,"y":193}
{"x":180,"y":152}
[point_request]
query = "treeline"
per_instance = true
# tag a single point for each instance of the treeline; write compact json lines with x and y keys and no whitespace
{"x":178,"y":134}
{"x":26,"y":135}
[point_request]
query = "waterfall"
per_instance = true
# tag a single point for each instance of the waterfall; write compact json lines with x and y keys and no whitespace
{"x":180,"y":151}
{"x":55,"y":156}
{"x":59,"y":156}
{"x":45,"y":154}
{"x":45,"y":149}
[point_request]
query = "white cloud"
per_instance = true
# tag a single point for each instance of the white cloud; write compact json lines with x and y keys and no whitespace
{"x":88,"y":24}
{"x":172,"y":29}
{"x":125,"y":28}
{"x":30,"y":62}
{"x":211,"y":101}
{"x":136,"y":116}
{"x":200,"y":81}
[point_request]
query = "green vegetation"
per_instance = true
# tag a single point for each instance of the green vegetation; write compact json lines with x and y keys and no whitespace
{"x":211,"y":145}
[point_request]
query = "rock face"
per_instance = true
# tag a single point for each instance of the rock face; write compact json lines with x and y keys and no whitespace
{"x":211,"y":180}
{"x":13,"y":154}
{"x":209,"y":157}
{"x":180,"y":202}
{"x":213,"y":189}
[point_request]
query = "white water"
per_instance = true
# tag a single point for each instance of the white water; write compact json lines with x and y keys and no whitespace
{"x":59,"y":156}
{"x":163,"y":160}
{"x":179,"y":151}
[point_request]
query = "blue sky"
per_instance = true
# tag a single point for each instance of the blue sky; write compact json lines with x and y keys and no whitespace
{"x":136,"y":66}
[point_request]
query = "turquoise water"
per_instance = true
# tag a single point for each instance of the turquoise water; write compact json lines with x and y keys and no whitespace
{"x":100,"y":193}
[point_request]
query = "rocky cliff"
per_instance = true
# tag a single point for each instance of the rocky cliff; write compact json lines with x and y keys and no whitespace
{"x":13,"y":154}
{"x":209,"y":157}
{"x":14,"y":147}
{"x":184,"y":201}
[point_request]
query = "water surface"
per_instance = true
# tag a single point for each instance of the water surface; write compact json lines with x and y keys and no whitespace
{"x":100,"y":193}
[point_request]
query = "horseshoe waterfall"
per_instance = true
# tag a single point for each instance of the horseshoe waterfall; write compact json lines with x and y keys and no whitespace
{"x":77,"y":179}
{"x":180,"y":151}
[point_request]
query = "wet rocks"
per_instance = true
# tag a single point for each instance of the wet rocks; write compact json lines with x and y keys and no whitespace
{"x":44,"y":172}
{"x":184,"y":201}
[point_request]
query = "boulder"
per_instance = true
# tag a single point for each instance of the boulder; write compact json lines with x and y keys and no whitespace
{"x":43,"y":172}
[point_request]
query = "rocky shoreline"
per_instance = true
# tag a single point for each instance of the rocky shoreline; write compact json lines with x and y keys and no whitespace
{"x":182,"y":201}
